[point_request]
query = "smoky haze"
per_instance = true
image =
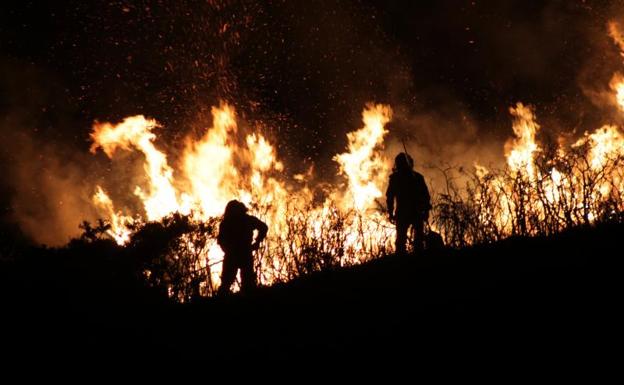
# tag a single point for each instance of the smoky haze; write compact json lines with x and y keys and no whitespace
{"x":302,"y":72}
{"x":46,"y":176}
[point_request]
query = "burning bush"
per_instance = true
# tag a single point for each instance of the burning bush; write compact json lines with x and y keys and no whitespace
{"x":547,"y":192}
{"x":541,"y":191}
{"x":306,"y":234}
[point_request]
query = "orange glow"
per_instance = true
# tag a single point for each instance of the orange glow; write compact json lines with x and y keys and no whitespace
{"x":217,"y":168}
{"x":227,"y":162}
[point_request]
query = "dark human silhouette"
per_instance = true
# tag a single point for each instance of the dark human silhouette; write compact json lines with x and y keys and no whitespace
{"x":409,"y":190}
{"x":236,"y":233}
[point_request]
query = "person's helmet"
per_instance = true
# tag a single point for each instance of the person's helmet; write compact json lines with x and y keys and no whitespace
{"x":403,"y":162}
{"x":235,"y":208}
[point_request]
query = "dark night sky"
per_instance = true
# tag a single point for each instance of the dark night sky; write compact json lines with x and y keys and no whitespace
{"x":313,"y":64}
{"x":305,"y":68}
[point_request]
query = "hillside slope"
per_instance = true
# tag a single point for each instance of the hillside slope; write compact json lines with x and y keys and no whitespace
{"x":540,"y":300}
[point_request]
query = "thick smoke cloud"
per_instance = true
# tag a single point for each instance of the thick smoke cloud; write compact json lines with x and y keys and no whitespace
{"x":50,"y":192}
{"x":45,"y":180}
{"x":444,"y":141}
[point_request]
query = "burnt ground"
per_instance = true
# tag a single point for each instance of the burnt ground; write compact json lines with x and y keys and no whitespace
{"x":517,"y":306}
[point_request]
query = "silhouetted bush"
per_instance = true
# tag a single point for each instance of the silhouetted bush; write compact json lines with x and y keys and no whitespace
{"x":171,"y":255}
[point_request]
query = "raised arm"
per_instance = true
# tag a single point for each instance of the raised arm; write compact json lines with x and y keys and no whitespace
{"x":262,"y":232}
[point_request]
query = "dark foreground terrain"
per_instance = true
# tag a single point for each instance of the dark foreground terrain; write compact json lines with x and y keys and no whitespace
{"x":520,"y":304}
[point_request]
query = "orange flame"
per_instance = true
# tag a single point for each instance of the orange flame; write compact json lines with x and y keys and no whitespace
{"x":363,"y":165}
{"x":616,"y":34}
{"x":521,"y":151}
{"x":216,"y":169}
{"x":136,"y":131}
{"x":219,"y":167}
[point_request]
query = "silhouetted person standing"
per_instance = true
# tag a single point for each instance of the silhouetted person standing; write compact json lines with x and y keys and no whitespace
{"x":409,"y":190}
{"x":235,"y":237}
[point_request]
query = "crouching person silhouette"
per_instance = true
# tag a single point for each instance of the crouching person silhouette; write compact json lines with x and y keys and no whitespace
{"x":408,"y":188}
{"x":236,"y":233}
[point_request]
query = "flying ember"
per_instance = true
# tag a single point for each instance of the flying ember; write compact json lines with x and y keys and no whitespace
{"x":217,"y":168}
{"x":542,"y":189}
